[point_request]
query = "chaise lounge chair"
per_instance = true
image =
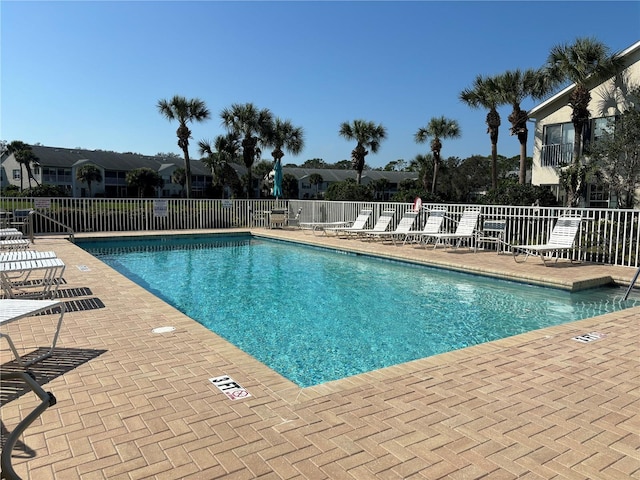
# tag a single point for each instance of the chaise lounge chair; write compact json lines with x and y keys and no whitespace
{"x":561,"y":239}
{"x":12,"y":310}
{"x":404,"y":227}
{"x":464,"y":231}
{"x":10,"y":233}
{"x":431,"y":226}
{"x":381,"y":225}
{"x":14,"y":244}
{"x":358,"y":224}
{"x":31,"y":278}
{"x":22,"y":255}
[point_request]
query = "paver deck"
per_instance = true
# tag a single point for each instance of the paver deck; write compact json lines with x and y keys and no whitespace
{"x":133,"y":404}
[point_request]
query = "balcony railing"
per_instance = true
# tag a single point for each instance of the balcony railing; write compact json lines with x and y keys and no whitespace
{"x":608,"y":236}
{"x":556,"y":155}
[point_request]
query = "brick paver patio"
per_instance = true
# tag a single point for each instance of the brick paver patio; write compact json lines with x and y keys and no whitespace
{"x":133,"y":404}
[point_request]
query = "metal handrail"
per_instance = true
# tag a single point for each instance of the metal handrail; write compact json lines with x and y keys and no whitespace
{"x":631,"y":284}
{"x":29,"y":224}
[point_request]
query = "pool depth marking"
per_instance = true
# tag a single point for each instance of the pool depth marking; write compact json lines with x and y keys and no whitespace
{"x":589,"y":337}
{"x":232,"y":389}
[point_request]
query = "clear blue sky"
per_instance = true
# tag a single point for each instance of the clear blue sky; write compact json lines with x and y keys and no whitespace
{"x":89,"y":74}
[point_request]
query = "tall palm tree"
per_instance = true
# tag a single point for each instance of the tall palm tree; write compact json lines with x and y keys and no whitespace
{"x":184,"y":111}
{"x":515,"y":86}
{"x":316,"y":179}
{"x":283,"y":135}
{"x":225,"y":149}
{"x":368,"y":135}
{"x":145,"y":180}
{"x":423,"y":164}
{"x":88,"y":174}
{"x":584,"y":63}
{"x":485,"y":93}
{"x":179,"y":176}
{"x":437,"y":129}
{"x":25,"y":157}
{"x":252,"y":126}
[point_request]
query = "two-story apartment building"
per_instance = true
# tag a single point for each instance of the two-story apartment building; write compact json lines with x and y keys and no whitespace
{"x":554,"y":132}
{"x":59,"y":166}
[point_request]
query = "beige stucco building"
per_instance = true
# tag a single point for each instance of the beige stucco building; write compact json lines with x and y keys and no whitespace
{"x":554,"y":133}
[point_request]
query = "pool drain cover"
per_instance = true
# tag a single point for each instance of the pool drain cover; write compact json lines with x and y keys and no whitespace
{"x":163,"y":329}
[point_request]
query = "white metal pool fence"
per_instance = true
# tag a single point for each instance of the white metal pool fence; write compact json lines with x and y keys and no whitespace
{"x":606,"y":235}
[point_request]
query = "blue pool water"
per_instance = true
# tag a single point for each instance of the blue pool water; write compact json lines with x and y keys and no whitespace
{"x":316,"y":315}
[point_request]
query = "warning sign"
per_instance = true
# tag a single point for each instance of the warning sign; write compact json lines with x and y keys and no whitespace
{"x":232,"y":389}
{"x":589,"y":337}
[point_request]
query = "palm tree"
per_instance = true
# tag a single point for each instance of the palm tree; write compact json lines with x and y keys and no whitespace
{"x":225,"y":149}
{"x":367,"y":134}
{"x":179,"y":176}
{"x":88,"y":174}
{"x":422,"y":164}
{"x":184,"y":111}
{"x":515,"y":86}
{"x":283,"y":135}
{"x":25,"y":157}
{"x":485,"y":93}
{"x":252,"y":125}
{"x":381,"y":186}
{"x":145,"y":180}
{"x":437,"y":129}
{"x":316,"y":179}
{"x":585,"y":62}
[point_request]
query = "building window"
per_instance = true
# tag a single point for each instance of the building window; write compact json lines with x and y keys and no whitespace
{"x":56,"y":175}
{"x":602,"y":127}
{"x":557,"y":148}
{"x":598,"y":196}
{"x":596,"y":129}
{"x":16,"y":174}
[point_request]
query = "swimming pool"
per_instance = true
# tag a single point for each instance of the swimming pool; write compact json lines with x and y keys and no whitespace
{"x":316,"y":315}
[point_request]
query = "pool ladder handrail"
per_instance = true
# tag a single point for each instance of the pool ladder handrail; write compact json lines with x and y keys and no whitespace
{"x":28,"y":225}
{"x":631,"y":284}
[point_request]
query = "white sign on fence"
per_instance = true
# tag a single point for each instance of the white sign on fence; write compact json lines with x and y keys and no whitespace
{"x":42,"y":202}
{"x":160,"y":208}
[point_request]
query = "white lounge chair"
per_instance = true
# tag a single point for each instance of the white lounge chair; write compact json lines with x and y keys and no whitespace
{"x":295,"y":220}
{"x":431,"y":226}
{"x":358,"y":224}
{"x":319,"y":227}
{"x":381,"y":225}
{"x":31,"y":278}
{"x":22,"y":255}
{"x":562,"y":238}
{"x":402,"y":229}
{"x":464,"y":231}
{"x":13,"y":310}
{"x":10,"y":233}
{"x":14,"y":244}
